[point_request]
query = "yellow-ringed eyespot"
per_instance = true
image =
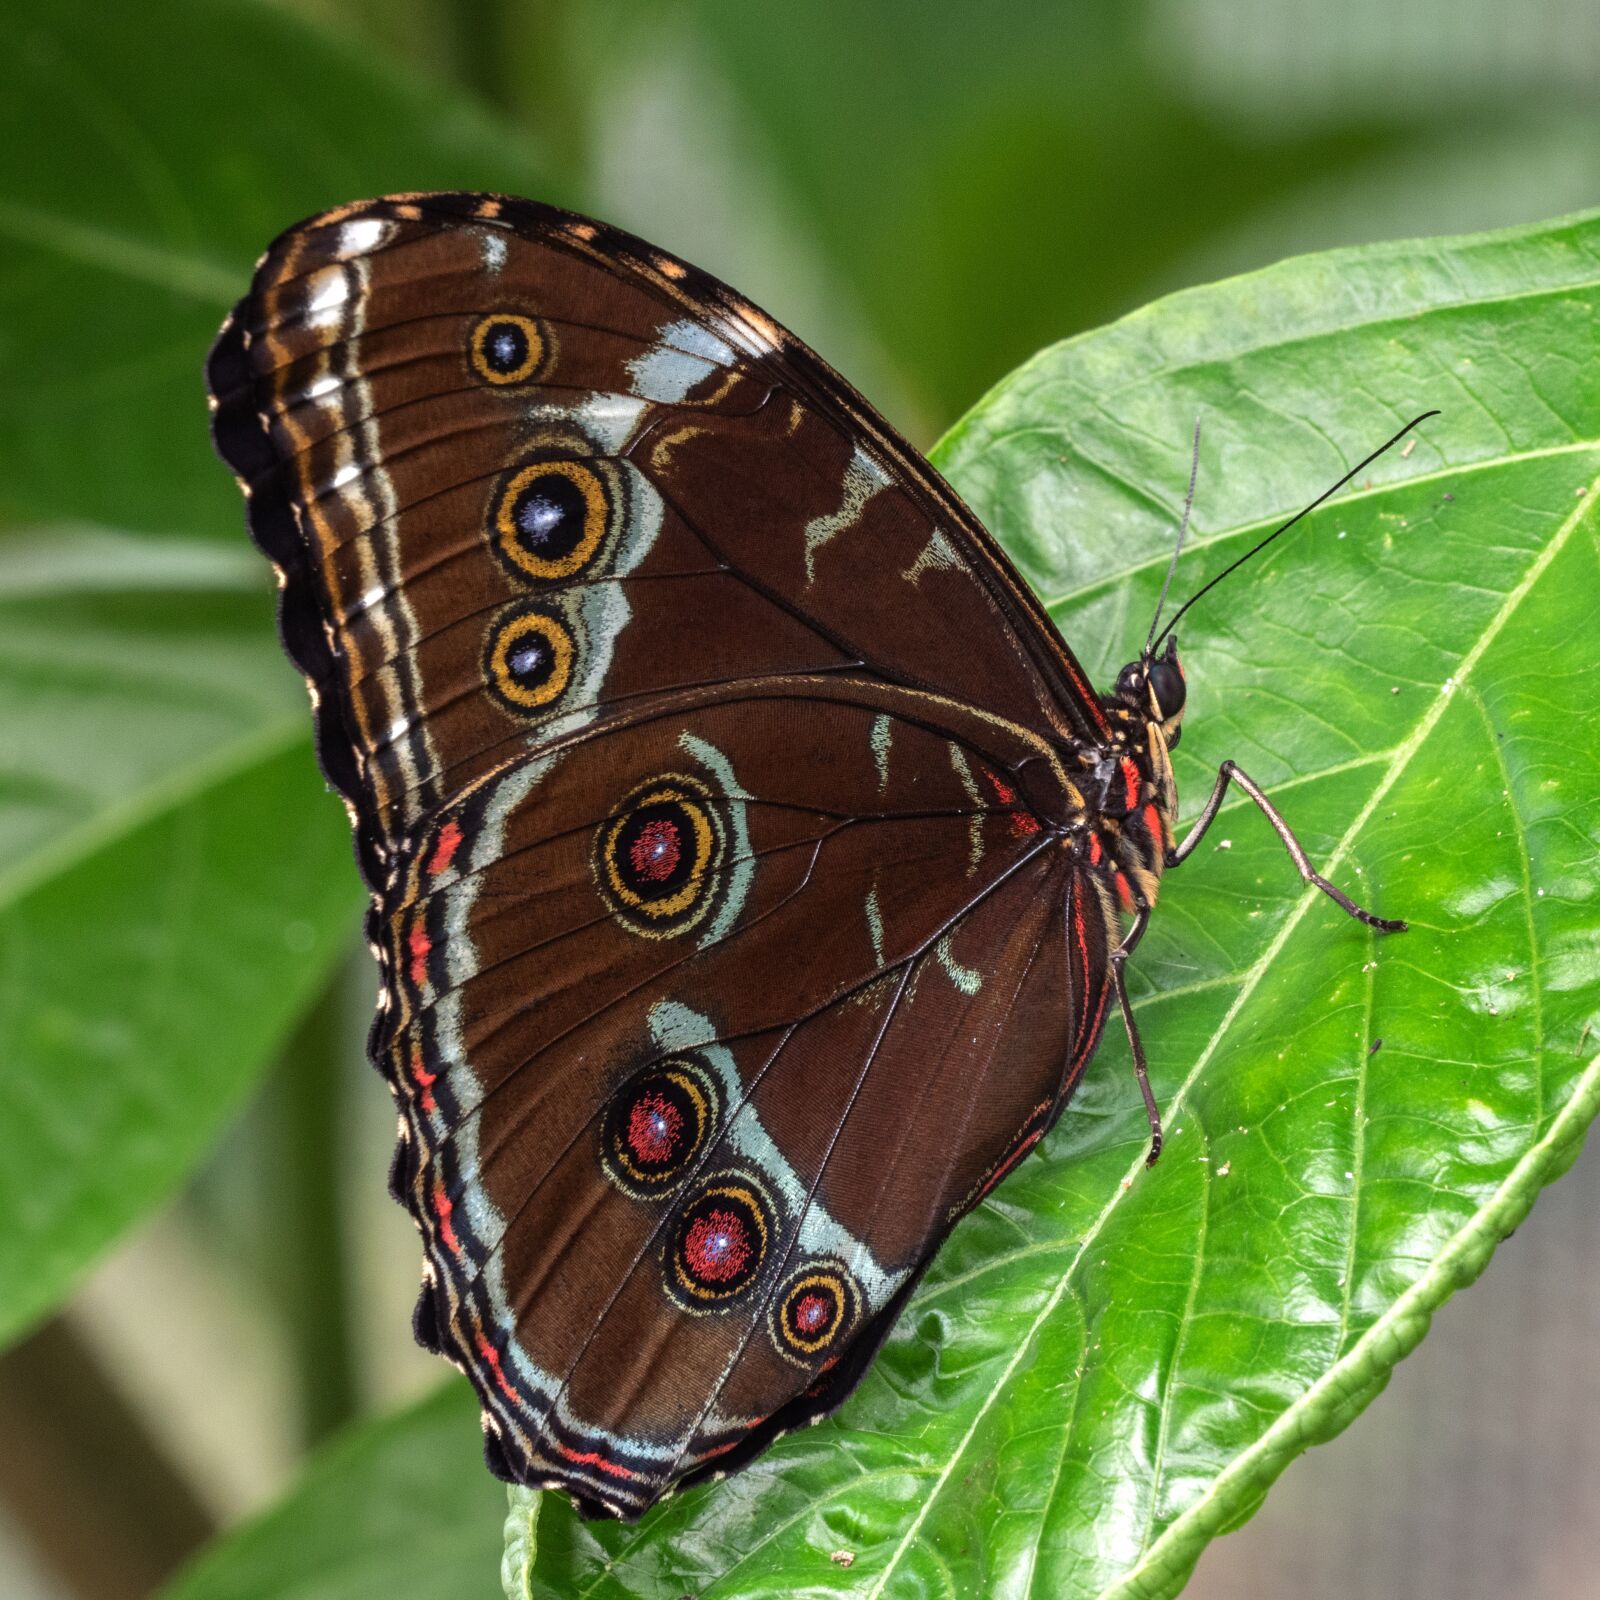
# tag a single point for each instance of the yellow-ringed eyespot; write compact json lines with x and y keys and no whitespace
{"x":813,"y":1311}
{"x":550,"y":517}
{"x":657,"y":1123}
{"x":506,"y":347}
{"x":659,"y":857}
{"x":719,"y":1241}
{"x":528,"y":658}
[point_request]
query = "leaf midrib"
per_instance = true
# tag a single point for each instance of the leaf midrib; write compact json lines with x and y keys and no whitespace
{"x":182,"y":786}
{"x":121,"y":254}
{"x":1401,"y":758}
{"x":1492,"y":1217}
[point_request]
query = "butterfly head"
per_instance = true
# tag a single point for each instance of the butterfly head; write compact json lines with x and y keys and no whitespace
{"x":1153,"y":689}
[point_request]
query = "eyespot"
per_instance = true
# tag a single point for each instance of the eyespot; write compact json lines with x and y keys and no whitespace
{"x":659,"y":857}
{"x":719,"y":1241}
{"x":814,"y":1311}
{"x":550,"y":518}
{"x":506,"y":348}
{"x":657,"y":1123}
{"x":528,"y":658}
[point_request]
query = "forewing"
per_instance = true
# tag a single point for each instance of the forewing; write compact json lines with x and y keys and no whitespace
{"x":519,"y":470}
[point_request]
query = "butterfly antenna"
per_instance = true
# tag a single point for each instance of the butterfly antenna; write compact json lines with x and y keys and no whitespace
{"x":1183,"y":529}
{"x":1305,"y":511}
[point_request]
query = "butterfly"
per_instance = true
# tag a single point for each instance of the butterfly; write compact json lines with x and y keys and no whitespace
{"x":752,"y":864}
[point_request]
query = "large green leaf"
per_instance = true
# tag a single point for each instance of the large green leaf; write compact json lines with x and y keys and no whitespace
{"x":1109,"y":1365}
{"x":175,"y":882}
{"x":173,"y":887}
{"x":396,"y":1508}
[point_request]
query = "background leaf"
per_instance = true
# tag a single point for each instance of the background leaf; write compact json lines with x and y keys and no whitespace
{"x":398,"y":1507}
{"x":176,"y":884}
{"x":1107,"y":1366}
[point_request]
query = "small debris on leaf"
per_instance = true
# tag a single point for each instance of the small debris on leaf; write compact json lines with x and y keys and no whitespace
{"x":1375,"y":1047}
{"x":843,"y":1558}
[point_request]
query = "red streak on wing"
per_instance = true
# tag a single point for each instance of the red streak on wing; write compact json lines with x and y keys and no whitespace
{"x":1011,"y":1161}
{"x":1124,"y":891}
{"x":1023,"y":823}
{"x":420,"y":944}
{"x":1083,"y":959}
{"x":449,"y":843}
{"x":590,"y":1458}
{"x":443,"y":1205}
{"x":1094,"y":1031}
{"x":1094,"y":850}
{"x":1004,"y":793}
{"x":425,"y":1079}
{"x":492,"y":1356}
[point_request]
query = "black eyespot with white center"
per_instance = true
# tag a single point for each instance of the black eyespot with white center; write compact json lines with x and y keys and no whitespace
{"x":506,"y":348}
{"x":551,"y":518}
{"x":528,"y":658}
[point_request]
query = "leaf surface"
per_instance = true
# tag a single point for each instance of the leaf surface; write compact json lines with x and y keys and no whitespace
{"x":174,"y":881}
{"x":1107,"y":1366}
{"x":400,"y":1507}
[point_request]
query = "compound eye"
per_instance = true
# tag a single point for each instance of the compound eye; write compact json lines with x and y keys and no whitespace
{"x":1168,"y":688}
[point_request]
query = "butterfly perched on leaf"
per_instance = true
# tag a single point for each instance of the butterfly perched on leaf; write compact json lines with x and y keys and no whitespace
{"x":752,"y":864}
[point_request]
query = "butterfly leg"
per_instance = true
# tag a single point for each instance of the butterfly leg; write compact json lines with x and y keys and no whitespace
{"x":1228,"y":773}
{"x":1141,"y":1071}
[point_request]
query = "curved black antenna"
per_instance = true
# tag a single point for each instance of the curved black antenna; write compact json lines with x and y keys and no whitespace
{"x":1183,"y":529}
{"x":1256,"y":550}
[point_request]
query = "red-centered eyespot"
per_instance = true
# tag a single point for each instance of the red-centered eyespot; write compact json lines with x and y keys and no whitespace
{"x":814,"y":1311}
{"x":656,"y":850}
{"x":812,"y":1314}
{"x":719,"y":1241}
{"x":717,"y":1246}
{"x":654,"y":1126}
{"x":657,"y":1122}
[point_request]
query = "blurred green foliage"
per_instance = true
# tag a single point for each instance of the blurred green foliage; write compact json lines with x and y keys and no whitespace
{"x":927,"y":199}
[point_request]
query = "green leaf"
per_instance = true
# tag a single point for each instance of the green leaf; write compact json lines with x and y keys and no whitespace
{"x":521,"y":1542}
{"x":174,"y":881}
{"x":1108,"y":1365}
{"x":398,"y":1507}
{"x":141,"y":174}
{"x":984,"y":190}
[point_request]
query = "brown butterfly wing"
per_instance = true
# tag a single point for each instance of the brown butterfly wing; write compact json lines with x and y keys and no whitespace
{"x":707,"y":463}
{"x":862,"y":1011}
{"x":703,"y":751}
